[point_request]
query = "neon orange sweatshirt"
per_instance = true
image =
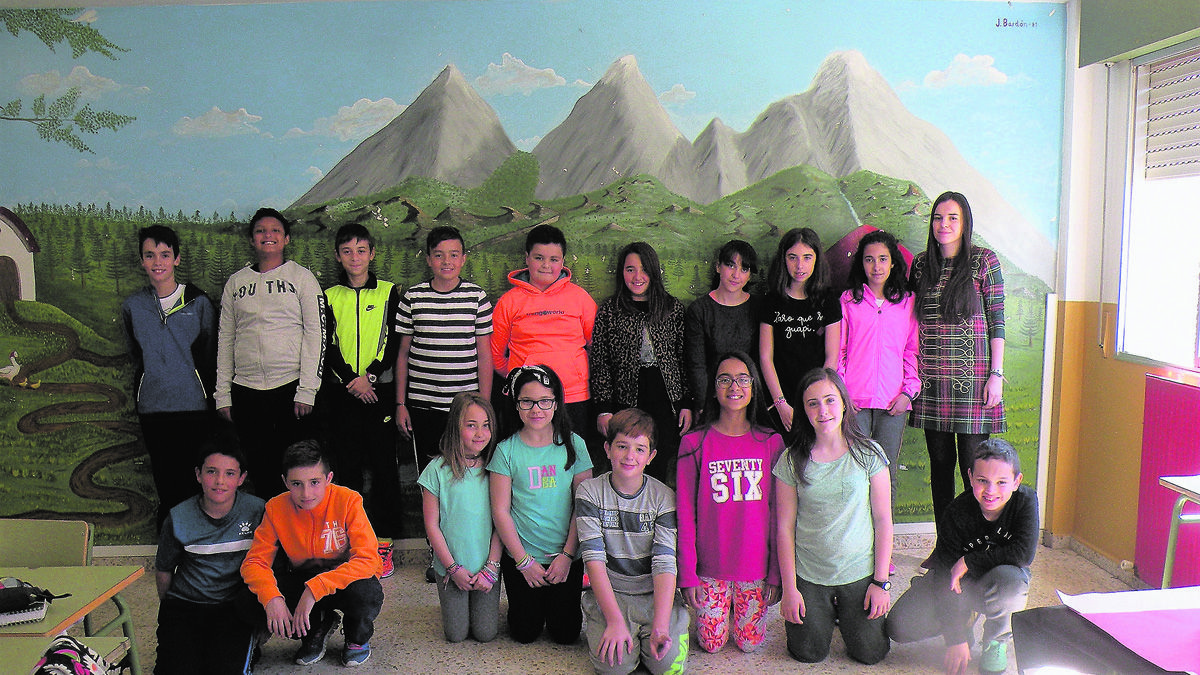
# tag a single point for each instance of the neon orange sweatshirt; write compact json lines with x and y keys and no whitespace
{"x":336,"y":530}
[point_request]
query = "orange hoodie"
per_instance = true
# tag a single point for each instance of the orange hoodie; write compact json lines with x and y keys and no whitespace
{"x":551,"y":327}
{"x":337,"y":530}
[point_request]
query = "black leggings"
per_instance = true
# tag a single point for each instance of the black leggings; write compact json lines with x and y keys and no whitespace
{"x":943,"y":447}
{"x":555,"y":607}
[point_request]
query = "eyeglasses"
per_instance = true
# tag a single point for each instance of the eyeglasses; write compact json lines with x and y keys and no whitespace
{"x":528,"y":403}
{"x":743,"y":381}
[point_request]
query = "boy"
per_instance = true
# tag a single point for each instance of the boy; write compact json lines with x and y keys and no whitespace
{"x":445,"y":326}
{"x":171,"y":331}
{"x":202,"y":544}
{"x":986,"y":539}
{"x":627,"y":529}
{"x":331,"y":560}
{"x":546,"y":318}
{"x":359,"y":394}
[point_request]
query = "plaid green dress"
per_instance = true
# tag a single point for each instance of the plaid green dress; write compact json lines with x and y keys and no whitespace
{"x":954,"y":359}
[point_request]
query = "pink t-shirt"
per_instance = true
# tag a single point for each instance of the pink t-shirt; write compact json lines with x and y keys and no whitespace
{"x":726,"y":507}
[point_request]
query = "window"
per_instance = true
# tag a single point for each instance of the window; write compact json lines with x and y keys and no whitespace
{"x":1159,"y":306}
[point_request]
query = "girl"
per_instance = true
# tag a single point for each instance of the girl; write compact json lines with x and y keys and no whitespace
{"x":723,"y":319}
{"x":458,"y":519}
{"x":637,"y":354}
{"x":270,"y":343}
{"x":799,"y":323}
{"x":834,"y":528}
{"x":877,"y":355}
{"x":959,"y":305}
{"x":725,"y":492}
{"x":533,"y":478}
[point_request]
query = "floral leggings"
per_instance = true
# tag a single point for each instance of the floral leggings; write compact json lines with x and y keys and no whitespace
{"x":745,"y":598}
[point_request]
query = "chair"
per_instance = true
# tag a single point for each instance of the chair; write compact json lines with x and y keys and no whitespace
{"x":63,"y":543}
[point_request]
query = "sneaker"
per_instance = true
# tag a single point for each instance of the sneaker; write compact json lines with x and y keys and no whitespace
{"x":430,"y":574}
{"x":891,"y":569}
{"x":385,"y":552}
{"x":312,"y":646}
{"x":587,"y":581}
{"x":355,"y":655}
{"x":994,"y":659}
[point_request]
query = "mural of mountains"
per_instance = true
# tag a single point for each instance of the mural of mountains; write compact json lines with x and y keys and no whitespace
{"x":449,"y":133}
{"x":849,"y":120}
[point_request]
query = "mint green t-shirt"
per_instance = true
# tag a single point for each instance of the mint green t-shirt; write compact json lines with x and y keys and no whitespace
{"x":542,"y":499}
{"x":464,"y":513}
{"x":835,"y":534}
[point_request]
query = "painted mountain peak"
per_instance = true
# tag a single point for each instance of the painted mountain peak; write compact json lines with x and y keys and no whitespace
{"x":849,"y":119}
{"x":449,"y":133}
{"x":617,"y":129}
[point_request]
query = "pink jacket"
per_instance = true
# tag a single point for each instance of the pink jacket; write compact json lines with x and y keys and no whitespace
{"x":878,"y":353}
{"x":553,"y":327}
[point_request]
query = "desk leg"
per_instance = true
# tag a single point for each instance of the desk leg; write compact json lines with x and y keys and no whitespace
{"x":1172,"y":539}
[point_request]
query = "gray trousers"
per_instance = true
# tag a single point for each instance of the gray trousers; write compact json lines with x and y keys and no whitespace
{"x":929,"y":608}
{"x":472,"y":613}
{"x":888,"y":431}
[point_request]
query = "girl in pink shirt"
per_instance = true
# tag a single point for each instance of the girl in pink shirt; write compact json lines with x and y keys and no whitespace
{"x":725,"y":491}
{"x":877,"y":357}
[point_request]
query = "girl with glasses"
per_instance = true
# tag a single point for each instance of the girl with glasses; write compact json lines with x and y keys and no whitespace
{"x":725,"y":491}
{"x":534,"y":473}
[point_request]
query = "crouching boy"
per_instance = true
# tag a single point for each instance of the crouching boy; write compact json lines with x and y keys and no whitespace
{"x":627,"y":529}
{"x":201,"y":626}
{"x":986,"y":539}
{"x":330,"y":560}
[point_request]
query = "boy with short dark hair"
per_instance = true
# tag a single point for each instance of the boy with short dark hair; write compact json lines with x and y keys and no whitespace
{"x":627,"y":533}
{"x":200,"y":550}
{"x":986,"y":540}
{"x":331,"y":560}
{"x":359,"y":393}
{"x":171,"y":332}
{"x":445,"y":327}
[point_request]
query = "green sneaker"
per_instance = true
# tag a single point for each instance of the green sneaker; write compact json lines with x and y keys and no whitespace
{"x":994,"y":659}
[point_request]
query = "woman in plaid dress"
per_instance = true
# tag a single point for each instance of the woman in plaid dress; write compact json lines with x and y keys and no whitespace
{"x":960,"y":307}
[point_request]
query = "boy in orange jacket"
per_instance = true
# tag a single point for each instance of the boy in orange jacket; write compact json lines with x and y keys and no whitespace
{"x":332,"y":560}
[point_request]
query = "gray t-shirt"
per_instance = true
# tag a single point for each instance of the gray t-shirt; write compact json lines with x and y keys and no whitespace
{"x":835,"y":534}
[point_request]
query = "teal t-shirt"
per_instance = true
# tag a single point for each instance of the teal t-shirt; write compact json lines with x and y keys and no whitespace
{"x":542,"y":499}
{"x":835,"y":535}
{"x":464,"y":513}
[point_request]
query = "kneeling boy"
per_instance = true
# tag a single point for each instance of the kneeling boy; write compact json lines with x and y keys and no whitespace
{"x":204,"y":539}
{"x":627,"y":531}
{"x":986,"y":539}
{"x":331,"y":560}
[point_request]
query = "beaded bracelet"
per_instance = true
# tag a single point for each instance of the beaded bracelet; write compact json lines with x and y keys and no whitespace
{"x":452,"y":569}
{"x":493,"y":563}
{"x":524,"y":563}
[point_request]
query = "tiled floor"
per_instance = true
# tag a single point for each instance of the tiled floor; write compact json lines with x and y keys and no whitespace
{"x":408,"y":637}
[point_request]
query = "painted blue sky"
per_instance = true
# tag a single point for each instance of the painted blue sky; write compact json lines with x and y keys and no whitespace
{"x":242,"y":106}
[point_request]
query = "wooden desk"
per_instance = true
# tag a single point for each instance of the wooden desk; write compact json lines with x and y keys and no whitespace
{"x":89,"y":587}
{"x":1188,"y":488}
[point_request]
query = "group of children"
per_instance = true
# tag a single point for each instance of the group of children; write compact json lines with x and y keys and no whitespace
{"x":680,"y":402}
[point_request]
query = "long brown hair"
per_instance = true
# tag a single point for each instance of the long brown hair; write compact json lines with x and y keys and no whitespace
{"x":450,"y":444}
{"x":959,"y":300}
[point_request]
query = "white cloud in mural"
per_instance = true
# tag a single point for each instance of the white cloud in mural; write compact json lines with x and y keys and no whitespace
{"x":88,"y":16}
{"x":676,"y":95}
{"x":217,"y":123}
{"x":358,"y":121}
{"x":314,"y":174}
{"x":103,"y":164}
{"x":54,"y":84}
{"x":512,"y":76}
{"x":967,"y":71}
{"x":527,"y":144}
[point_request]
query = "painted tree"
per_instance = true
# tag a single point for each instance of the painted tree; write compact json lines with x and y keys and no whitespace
{"x":117,"y":267}
{"x":81,"y":263}
{"x":62,"y":120}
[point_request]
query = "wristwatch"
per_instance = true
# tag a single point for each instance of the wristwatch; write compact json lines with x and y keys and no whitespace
{"x":371,"y":378}
{"x":885,"y":585}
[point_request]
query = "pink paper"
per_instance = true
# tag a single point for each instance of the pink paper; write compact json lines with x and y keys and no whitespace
{"x":1168,"y":638}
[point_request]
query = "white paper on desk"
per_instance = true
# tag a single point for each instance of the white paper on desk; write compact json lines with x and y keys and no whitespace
{"x":1133,"y":601}
{"x":1161,"y":626}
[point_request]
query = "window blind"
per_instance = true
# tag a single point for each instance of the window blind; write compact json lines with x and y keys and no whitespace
{"x":1168,"y":105}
